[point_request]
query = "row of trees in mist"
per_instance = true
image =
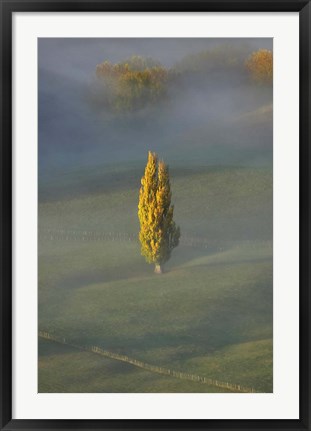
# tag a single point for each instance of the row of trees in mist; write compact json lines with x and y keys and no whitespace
{"x":138,"y":82}
{"x":133,"y":83}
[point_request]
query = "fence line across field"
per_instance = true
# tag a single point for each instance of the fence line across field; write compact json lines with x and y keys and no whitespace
{"x":153,"y":368}
{"x":80,"y":235}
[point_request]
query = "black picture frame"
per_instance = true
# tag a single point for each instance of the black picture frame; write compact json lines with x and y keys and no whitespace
{"x":7,"y":9}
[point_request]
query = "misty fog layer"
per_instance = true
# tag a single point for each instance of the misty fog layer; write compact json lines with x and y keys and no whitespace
{"x":208,"y":119}
{"x":203,"y":112}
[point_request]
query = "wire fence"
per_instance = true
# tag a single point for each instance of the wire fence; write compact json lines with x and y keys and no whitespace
{"x":186,"y":240}
{"x":152,"y":368}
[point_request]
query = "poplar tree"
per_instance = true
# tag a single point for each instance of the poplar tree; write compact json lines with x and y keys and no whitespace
{"x":158,"y":234}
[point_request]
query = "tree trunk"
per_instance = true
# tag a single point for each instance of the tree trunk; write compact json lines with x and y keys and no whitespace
{"x":158,"y":269}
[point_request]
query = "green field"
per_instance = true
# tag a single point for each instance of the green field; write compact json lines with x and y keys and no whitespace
{"x":209,"y":314}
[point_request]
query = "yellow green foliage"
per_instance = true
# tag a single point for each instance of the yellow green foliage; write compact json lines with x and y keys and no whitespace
{"x":158,"y":232}
{"x":260,"y":65}
{"x":220,"y":57}
{"x":133,"y":83}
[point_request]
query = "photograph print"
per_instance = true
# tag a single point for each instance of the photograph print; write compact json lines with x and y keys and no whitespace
{"x":155,"y":215}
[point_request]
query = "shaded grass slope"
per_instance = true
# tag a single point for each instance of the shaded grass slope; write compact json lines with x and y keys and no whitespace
{"x":209,"y":314}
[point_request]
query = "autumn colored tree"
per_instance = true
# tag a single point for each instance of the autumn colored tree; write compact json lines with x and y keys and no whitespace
{"x":133,"y":84}
{"x":158,"y":234}
{"x":260,"y":65}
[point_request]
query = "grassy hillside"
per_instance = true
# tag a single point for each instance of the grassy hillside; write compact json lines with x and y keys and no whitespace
{"x":209,"y":314}
{"x":221,"y":203}
{"x":64,"y":369}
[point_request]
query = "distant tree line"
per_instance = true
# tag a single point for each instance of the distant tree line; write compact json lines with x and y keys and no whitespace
{"x":134,"y":83}
{"x":138,"y":81}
